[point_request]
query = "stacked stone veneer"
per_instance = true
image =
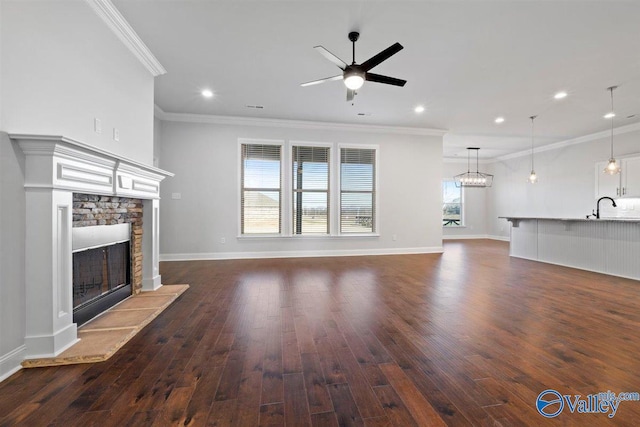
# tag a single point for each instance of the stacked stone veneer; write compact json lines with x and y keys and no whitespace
{"x":90,"y":209}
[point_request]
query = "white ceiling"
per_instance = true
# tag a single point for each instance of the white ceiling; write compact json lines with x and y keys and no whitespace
{"x":467,"y":62}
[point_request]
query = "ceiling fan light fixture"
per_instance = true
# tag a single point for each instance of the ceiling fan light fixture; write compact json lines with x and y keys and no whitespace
{"x":353,"y":79}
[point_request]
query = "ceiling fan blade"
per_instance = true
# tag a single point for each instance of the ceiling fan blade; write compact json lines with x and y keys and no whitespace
{"x":350,"y":94}
{"x":382,"y":56}
{"x":331,"y":57}
{"x":316,"y":82}
{"x":370,"y":77}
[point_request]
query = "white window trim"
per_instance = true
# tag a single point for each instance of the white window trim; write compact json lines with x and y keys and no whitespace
{"x":376,"y":178}
{"x":462,"y":206}
{"x":242,"y":141}
{"x":300,"y":143}
{"x":286,"y":190}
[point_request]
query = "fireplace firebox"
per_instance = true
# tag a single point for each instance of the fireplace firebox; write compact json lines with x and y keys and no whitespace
{"x":101,"y":269}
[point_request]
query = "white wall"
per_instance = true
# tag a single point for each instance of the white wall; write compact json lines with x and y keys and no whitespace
{"x":566,"y":187}
{"x":63,"y":67}
{"x":204,"y":158}
{"x":157,"y":131}
{"x":60,"y":66}
{"x":474,"y":205}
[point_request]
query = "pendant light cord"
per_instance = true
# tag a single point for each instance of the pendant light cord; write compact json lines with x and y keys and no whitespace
{"x":532,"y":133}
{"x":612,"y":116}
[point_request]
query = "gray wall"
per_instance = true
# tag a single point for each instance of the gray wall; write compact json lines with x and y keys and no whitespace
{"x":63,"y":67}
{"x":205,"y":159}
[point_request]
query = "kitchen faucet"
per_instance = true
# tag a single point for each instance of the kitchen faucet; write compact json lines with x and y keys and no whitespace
{"x":598,"y":205}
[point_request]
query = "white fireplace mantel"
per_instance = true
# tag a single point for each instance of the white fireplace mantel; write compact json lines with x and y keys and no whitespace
{"x":55,"y":168}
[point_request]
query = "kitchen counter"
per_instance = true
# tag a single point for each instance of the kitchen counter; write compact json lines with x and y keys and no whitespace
{"x":605,"y":245}
{"x":514,"y":219}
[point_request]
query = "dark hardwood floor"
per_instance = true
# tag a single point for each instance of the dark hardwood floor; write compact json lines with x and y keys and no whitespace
{"x":470,"y":337}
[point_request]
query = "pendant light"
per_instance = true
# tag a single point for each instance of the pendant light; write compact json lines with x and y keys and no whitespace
{"x":533,"y":178}
{"x":473,"y":179}
{"x":612,"y":167}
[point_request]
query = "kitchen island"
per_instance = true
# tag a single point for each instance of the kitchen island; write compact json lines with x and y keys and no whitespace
{"x":606,"y":245}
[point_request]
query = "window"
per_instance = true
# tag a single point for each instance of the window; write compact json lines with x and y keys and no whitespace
{"x":451,"y":204}
{"x":310,"y":168}
{"x":261,"y":189}
{"x":357,"y":190}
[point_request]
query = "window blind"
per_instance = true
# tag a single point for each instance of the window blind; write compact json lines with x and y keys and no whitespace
{"x":310,"y":177}
{"x":261,"y":189}
{"x":357,"y":190}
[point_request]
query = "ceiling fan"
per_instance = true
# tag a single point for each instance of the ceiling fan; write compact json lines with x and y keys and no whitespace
{"x":354,"y":75}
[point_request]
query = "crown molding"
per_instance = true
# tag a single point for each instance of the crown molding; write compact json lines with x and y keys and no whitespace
{"x":158,"y":113}
{"x":460,"y":160}
{"x":119,"y":25}
{"x":291,"y":124}
{"x":569,"y":142}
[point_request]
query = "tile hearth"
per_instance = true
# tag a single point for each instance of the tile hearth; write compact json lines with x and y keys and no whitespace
{"x":103,"y":336}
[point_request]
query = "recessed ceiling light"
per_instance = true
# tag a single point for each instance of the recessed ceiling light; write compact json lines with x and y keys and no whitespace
{"x":499,"y":120}
{"x":560,"y":95}
{"x":207,"y":93}
{"x":610,"y":115}
{"x":419,"y":109}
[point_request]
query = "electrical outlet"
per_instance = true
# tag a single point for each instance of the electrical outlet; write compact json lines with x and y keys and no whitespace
{"x":223,"y":240}
{"x":176,"y":196}
{"x":97,"y":125}
{"x":394,"y":237}
{"x":116,"y":134}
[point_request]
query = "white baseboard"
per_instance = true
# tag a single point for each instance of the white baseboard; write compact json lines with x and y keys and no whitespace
{"x":10,"y":363}
{"x":464,"y":236}
{"x":299,"y":254}
{"x":475,"y":236}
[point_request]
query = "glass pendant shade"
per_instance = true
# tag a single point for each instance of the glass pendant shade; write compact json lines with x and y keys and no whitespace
{"x":473,"y":179}
{"x":612,"y":167}
{"x":533,"y":178}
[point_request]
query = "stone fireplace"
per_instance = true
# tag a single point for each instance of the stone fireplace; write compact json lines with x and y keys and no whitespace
{"x":69,"y":184}
{"x":107,"y":252}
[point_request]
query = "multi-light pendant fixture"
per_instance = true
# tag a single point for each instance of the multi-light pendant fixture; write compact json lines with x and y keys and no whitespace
{"x":533,"y":178}
{"x":612,"y":166}
{"x":475,"y":179}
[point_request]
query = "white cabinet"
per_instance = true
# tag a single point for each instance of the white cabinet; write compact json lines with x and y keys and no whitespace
{"x":630,"y":177}
{"x":624,"y":184}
